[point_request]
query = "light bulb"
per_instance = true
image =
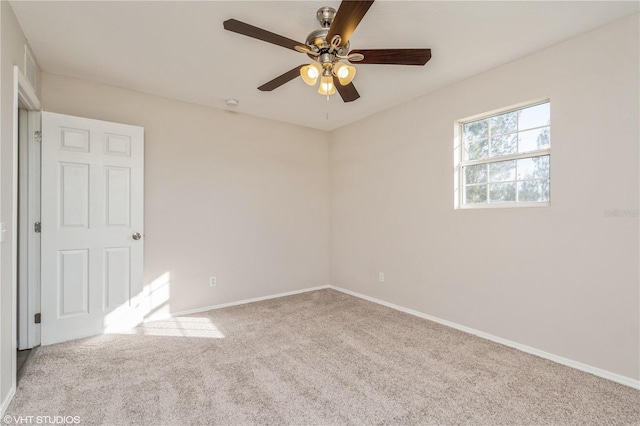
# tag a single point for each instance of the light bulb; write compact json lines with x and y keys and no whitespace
{"x":344,"y":72}
{"x":326,"y":86}
{"x":310,"y":73}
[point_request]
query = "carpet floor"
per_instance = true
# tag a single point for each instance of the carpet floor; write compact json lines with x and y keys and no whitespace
{"x":319,"y":358}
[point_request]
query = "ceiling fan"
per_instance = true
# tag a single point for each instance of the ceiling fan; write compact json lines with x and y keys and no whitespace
{"x":328,"y":47}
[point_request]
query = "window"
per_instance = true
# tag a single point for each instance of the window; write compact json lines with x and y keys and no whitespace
{"x":505,"y":158}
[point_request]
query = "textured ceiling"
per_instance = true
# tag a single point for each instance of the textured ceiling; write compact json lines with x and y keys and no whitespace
{"x":180,"y":50}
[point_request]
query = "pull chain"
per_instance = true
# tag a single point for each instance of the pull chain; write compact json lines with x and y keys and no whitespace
{"x":327,"y":106}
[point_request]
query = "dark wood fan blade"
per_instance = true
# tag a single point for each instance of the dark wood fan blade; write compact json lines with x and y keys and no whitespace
{"x":394,"y":56}
{"x":264,"y":35}
{"x":348,"y":92}
{"x":347,"y":18}
{"x":282,"y":79}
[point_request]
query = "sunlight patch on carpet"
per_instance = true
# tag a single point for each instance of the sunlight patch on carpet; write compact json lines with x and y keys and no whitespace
{"x":180,"y":327}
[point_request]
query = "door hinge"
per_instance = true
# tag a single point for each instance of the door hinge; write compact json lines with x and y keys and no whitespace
{"x":37,"y":318}
{"x":37,"y":227}
{"x":37,"y":136}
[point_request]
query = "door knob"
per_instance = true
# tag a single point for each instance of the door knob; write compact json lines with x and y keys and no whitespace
{"x":137,"y":236}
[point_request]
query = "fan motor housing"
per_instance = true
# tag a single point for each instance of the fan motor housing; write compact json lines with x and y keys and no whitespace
{"x":318,"y":41}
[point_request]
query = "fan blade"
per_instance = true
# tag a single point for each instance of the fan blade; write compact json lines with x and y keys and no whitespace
{"x":281,"y":79}
{"x":264,"y":35}
{"x":347,"y":18}
{"x":348,"y":92}
{"x":394,"y":56}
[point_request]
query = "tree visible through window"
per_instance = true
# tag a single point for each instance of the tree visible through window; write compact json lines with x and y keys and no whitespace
{"x":505,"y":158}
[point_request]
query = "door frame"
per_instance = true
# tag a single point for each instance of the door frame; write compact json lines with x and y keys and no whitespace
{"x":24,"y":96}
{"x":28,"y":240}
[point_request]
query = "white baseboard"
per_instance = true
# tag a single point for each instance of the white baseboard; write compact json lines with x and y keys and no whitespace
{"x":627,"y":381}
{"x":242,"y":302}
{"x":7,"y":400}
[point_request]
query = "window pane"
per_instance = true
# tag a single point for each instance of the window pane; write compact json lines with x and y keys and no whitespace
{"x":533,"y":191}
{"x":504,"y":145}
{"x":476,"y":194}
{"x":477,"y":150}
{"x":476,"y":130}
{"x":494,"y":179}
{"x":505,"y":123}
{"x":502,"y":171}
{"x":533,"y":168}
{"x":502,"y":192}
{"x":532,"y":140}
{"x":534,"y":116}
{"x":476,"y":174}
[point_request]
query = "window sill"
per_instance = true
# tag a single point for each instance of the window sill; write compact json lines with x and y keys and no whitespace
{"x":502,"y":206}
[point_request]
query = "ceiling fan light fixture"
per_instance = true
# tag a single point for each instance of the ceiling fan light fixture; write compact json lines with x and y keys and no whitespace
{"x":310,"y":73}
{"x":326,"y":86}
{"x":327,"y":47}
{"x":344,"y":72}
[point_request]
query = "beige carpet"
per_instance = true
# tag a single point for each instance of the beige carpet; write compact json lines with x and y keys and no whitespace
{"x":320,"y":358}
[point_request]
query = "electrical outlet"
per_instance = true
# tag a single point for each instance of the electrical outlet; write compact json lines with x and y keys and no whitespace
{"x":381,"y":277}
{"x":212,"y":281}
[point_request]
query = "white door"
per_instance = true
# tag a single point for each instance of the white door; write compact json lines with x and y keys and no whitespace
{"x":92,"y":224}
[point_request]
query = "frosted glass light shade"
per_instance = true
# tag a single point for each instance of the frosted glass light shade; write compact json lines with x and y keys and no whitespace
{"x":310,"y":73}
{"x":326,"y":86}
{"x":344,"y":72}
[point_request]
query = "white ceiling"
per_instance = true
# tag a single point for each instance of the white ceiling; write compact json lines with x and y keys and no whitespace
{"x":180,"y":50}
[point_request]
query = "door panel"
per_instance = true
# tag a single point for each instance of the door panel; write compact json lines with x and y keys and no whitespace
{"x":117,"y":145}
{"x":92,"y":204}
{"x":74,"y":140}
{"x":118,"y":196}
{"x":73,"y":283}
{"x":74,"y":195}
{"x":117,"y":277}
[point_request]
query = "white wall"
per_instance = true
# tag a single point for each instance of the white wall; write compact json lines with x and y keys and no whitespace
{"x":562,"y":279}
{"x":12,"y":53}
{"x":226,"y":194}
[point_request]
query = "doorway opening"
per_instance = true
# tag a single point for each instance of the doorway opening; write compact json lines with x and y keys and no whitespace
{"x":28,"y":243}
{"x":24,"y":242}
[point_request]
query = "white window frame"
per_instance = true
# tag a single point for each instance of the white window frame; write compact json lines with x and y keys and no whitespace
{"x":460,"y":184}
